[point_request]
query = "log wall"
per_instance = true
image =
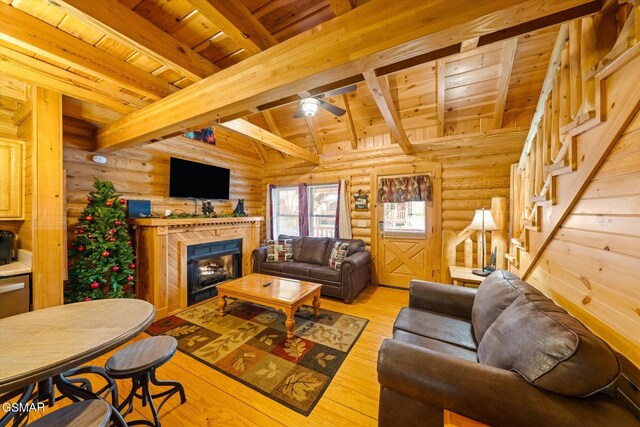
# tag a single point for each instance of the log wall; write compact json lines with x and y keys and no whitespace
{"x":143,"y":173}
{"x":470,"y":178}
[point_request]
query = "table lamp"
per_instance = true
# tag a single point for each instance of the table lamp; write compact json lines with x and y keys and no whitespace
{"x":483,"y":221}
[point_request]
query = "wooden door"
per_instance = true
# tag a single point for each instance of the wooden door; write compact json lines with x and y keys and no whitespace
{"x":400,"y":257}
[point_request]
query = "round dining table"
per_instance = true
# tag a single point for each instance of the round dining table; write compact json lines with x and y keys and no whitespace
{"x":46,"y":343}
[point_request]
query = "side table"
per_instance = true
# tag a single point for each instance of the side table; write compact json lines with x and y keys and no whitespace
{"x":462,"y":276}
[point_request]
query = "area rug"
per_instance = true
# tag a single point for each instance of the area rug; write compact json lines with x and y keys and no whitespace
{"x":249,"y":344}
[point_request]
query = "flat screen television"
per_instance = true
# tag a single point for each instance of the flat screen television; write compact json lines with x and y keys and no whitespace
{"x":197,"y":180}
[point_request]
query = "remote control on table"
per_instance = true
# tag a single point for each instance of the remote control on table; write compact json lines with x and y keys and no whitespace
{"x":266,"y":284}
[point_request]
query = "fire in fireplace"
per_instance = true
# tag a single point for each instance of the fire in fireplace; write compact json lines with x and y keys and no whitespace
{"x":209,"y":264}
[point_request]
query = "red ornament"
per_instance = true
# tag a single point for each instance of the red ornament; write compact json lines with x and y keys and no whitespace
{"x":80,"y":248}
{"x":105,"y":254}
{"x":87,"y":299}
{"x":115,"y":268}
{"x":112,"y":231}
{"x":111,"y":239}
{"x":132,"y":265}
{"x":129,"y":242}
{"x":130,"y":278}
{"x":88,"y":218}
{"x":95,"y":285}
{"x":109,"y":203}
{"x":70,"y":246}
{"x":123,"y":202}
{"x":89,"y":199}
{"x":117,"y":223}
{"x":80,"y":231}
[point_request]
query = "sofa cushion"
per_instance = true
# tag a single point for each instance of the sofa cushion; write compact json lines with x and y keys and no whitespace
{"x":338,"y":254}
{"x":313,"y":249}
{"x":272,"y":267}
{"x":322,"y":272}
{"x":435,"y":345}
{"x":300,"y":269}
{"x":549,"y":348}
{"x":494,"y":295}
{"x":297,"y":245}
{"x":436,"y":326}
{"x":279,"y":250}
{"x":355,"y":245}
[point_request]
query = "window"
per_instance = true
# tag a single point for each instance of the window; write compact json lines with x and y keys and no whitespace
{"x":405,"y":217}
{"x":323,"y":203}
{"x":285,"y":211}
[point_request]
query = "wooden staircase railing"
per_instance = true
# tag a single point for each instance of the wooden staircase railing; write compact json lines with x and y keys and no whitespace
{"x":573,"y":100}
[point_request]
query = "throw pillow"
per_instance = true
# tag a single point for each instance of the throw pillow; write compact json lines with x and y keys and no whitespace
{"x":338,"y":254}
{"x":280,"y":250}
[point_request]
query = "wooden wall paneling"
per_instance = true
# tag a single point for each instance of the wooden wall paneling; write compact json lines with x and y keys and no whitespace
{"x":503,"y":82}
{"x":48,"y":192}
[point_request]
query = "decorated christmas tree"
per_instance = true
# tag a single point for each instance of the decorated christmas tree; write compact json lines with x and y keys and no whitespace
{"x":101,"y":260}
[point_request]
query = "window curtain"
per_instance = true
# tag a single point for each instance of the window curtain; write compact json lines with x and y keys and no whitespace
{"x":303,"y":210}
{"x":415,"y":188}
{"x":343,"y":217}
{"x":269,"y":219}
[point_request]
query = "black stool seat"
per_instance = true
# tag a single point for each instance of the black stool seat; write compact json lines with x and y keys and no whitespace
{"x":86,"y":413}
{"x":141,"y":355}
{"x":139,"y":362}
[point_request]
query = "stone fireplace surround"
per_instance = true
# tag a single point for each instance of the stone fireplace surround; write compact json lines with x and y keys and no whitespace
{"x":161,"y":250}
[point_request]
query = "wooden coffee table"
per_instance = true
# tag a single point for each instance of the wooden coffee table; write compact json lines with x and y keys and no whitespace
{"x":286,"y":295}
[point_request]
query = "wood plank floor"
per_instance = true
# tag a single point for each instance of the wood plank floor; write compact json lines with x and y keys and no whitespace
{"x":213,"y":399}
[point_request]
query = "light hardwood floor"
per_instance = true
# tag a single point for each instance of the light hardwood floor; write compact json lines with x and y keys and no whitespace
{"x":213,"y":399}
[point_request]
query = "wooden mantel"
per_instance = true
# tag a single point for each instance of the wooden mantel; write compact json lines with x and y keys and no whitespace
{"x":161,"y":249}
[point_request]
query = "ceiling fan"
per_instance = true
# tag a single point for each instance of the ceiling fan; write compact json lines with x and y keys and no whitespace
{"x":310,"y":105}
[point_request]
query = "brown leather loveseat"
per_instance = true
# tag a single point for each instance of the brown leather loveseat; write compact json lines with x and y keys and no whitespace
{"x":311,"y":262}
{"x":503,"y":354}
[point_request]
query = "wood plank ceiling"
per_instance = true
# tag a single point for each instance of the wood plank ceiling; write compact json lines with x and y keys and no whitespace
{"x":113,"y":57}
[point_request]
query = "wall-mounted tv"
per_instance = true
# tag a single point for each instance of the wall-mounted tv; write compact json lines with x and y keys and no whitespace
{"x":197,"y":180}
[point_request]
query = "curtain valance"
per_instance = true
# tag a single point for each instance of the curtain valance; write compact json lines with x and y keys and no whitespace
{"x":414,"y":188}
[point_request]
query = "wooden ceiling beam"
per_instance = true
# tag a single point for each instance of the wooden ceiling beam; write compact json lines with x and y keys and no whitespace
{"x":315,"y":135}
{"x":87,"y":111}
{"x":246,"y":128}
{"x":273,"y":127}
{"x":24,"y":30}
{"x":349,"y":121}
{"x":126,"y":26}
{"x":56,"y":79}
{"x":379,"y":88}
{"x":440,"y":88}
{"x":503,"y":82}
{"x":237,"y":22}
{"x":262,"y":153}
{"x":338,"y":49}
{"x":341,"y":6}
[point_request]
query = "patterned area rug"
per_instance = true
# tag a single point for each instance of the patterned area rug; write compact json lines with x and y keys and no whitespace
{"x":249,"y":343}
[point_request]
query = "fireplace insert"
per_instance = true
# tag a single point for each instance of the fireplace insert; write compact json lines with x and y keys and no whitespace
{"x":209,"y":264}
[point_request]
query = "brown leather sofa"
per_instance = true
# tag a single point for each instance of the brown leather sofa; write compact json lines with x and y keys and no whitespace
{"x":311,"y":262}
{"x":503,"y":354}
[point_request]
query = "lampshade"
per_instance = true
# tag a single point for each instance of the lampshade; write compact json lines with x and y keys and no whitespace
{"x":309,"y":106}
{"x":483,"y":220}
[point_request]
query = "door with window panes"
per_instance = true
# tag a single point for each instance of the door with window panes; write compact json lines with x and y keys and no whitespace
{"x":404,"y":240}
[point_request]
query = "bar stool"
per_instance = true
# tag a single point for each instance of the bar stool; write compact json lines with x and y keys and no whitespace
{"x":86,"y":413}
{"x":139,"y":362}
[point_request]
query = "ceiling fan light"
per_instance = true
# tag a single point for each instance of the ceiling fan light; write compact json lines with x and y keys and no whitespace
{"x":309,"y":106}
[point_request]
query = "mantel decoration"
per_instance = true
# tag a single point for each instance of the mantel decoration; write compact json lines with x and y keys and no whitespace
{"x":239,"y":210}
{"x":101,"y":260}
{"x":361,"y":201}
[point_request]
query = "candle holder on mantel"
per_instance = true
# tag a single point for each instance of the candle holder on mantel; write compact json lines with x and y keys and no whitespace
{"x":483,"y":221}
